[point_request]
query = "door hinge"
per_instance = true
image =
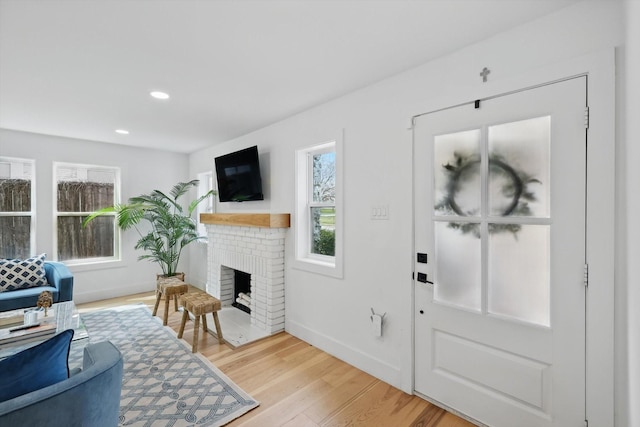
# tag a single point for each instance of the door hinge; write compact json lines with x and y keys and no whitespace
{"x":586,"y":118}
{"x":586,"y":275}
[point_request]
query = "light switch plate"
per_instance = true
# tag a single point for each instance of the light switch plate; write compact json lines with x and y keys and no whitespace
{"x":380,"y":212}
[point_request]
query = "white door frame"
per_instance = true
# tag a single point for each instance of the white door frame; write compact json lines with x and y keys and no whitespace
{"x":600,"y":71}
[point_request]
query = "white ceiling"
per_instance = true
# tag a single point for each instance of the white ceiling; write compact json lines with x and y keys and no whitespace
{"x":83,"y":68}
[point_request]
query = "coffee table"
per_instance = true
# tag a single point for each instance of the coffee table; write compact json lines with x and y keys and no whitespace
{"x":65,"y":316}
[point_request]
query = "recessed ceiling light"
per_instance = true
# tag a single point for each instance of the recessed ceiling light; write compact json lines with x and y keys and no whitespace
{"x":122,"y":131}
{"x":159,"y":95}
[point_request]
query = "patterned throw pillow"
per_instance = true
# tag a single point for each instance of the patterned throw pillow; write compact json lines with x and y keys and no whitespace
{"x":21,"y":274}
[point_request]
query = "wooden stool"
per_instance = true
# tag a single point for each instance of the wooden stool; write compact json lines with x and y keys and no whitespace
{"x":169,"y":286}
{"x":199,"y":304}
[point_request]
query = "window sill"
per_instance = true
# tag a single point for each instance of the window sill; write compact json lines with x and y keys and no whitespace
{"x":318,"y":267}
{"x":94,"y":265}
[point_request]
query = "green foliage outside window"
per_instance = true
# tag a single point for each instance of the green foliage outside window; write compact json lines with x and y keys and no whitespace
{"x":325,"y":243}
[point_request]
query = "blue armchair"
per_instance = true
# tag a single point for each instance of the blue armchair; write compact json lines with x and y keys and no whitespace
{"x":88,"y":398}
{"x":60,"y":285}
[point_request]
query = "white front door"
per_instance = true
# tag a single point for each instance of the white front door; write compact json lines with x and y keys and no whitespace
{"x":500,"y":255}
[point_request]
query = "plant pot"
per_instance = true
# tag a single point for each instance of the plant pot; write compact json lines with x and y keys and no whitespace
{"x":163,"y":276}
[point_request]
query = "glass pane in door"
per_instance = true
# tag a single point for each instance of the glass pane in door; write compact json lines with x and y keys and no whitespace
{"x":457,"y":173}
{"x":519,"y":273}
{"x":519,"y":178}
{"x":458,"y":271}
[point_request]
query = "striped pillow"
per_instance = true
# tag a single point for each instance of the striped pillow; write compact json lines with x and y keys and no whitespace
{"x":21,"y":274}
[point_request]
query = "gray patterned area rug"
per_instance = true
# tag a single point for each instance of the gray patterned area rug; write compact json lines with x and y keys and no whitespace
{"x":164,"y":384}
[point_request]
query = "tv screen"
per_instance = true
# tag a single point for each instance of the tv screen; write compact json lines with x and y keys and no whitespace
{"x":238,"y":176}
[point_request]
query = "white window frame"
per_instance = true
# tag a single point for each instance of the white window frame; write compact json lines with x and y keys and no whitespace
{"x":304,"y":259}
{"x":116,"y":234}
{"x":18,"y":173}
{"x":205,"y":185}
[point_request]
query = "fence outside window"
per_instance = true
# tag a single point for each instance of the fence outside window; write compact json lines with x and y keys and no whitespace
{"x":81,"y":190}
{"x":16,"y":208}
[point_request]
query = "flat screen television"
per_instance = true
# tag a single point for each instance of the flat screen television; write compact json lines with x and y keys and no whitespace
{"x":238,"y":176}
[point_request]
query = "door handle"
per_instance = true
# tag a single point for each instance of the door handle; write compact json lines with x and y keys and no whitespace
{"x":422,"y":277}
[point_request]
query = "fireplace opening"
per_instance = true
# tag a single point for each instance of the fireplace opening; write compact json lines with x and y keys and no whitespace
{"x":242,"y":291}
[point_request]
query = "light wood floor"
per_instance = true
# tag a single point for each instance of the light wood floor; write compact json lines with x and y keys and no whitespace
{"x":299,"y":385}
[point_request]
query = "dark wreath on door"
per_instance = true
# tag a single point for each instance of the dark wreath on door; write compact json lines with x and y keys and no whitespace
{"x":492,"y":196}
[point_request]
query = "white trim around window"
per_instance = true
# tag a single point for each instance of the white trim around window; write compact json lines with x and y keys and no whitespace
{"x":83,"y":173}
{"x":304,"y":258}
{"x":205,"y":185}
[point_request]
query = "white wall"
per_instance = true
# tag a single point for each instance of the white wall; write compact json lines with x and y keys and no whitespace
{"x":142,"y":170}
{"x":333,"y":314}
{"x":629,"y":225}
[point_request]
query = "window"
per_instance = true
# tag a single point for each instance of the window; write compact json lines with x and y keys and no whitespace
{"x":204,"y":186}
{"x":81,"y":190}
{"x":322,"y":201}
{"x":17,"y":218}
{"x":318,"y":215}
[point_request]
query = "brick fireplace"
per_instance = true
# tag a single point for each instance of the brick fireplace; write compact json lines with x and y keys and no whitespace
{"x":252,"y":244}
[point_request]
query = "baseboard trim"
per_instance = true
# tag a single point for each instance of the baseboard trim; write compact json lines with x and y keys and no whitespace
{"x":365,"y":362}
{"x":100,"y":294}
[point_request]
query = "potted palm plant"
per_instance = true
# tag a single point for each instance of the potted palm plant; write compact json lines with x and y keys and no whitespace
{"x":171,"y":227}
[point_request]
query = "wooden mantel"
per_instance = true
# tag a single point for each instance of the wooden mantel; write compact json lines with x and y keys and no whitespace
{"x":247,"y":219}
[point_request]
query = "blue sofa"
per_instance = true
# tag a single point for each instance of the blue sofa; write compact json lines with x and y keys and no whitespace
{"x":60,"y":285}
{"x":88,"y":398}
